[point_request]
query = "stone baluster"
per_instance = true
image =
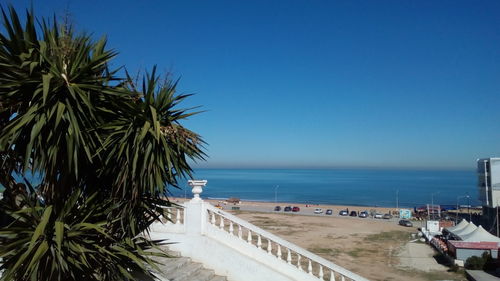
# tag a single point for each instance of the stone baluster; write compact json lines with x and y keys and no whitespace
{"x":299,"y":266}
{"x":321,"y":274}
{"x":259,"y":242}
{"x":269,"y":246}
{"x":169,"y":215}
{"x":342,"y":278}
{"x":332,"y":275}
{"x":178,"y":221}
{"x":289,"y":257}
{"x":221,"y":225}
{"x":240,"y":232}
{"x":231,"y":228}
{"x":213,"y":218}
{"x":279,"y":251}
{"x":249,"y":238}
{"x":310,"y":268}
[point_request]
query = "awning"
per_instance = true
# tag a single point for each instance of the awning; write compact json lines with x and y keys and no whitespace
{"x":464,"y":223}
{"x":466,"y":230}
{"x":480,"y":235}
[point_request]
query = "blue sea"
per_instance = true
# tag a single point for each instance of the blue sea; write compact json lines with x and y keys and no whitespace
{"x":360,"y":187}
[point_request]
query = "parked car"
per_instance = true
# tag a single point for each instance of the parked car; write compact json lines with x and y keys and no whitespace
{"x":378,"y":216}
{"x":353,"y":214}
{"x":405,"y":223}
{"x":318,"y":211}
{"x":329,"y":212}
{"x":387,"y":216}
{"x":343,"y":213}
{"x":295,"y":209}
{"x":288,"y":209}
{"x":363,"y":214}
{"x":277,"y":208}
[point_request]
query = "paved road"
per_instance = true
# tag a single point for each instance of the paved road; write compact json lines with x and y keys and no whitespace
{"x":419,"y":256}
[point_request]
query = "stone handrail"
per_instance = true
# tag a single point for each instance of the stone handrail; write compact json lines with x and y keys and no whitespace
{"x":178,"y":212}
{"x":276,"y":246}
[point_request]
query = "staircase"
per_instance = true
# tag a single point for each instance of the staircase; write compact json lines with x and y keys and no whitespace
{"x":177,"y":268}
{"x":234,"y":248}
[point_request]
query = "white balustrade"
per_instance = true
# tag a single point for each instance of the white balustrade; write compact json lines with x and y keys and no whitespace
{"x":221,"y":225}
{"x":249,"y":238}
{"x":179,"y":215}
{"x":312,"y":260}
{"x":214,"y":215}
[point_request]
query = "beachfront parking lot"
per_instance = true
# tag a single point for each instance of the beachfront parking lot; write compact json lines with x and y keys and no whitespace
{"x":309,"y":210}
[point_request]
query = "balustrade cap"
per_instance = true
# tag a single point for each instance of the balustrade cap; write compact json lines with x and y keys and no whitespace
{"x":197,"y":188}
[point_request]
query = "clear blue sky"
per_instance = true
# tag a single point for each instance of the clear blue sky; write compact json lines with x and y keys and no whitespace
{"x":319,"y":83}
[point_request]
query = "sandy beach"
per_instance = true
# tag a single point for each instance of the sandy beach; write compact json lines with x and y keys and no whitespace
{"x":377,"y":249}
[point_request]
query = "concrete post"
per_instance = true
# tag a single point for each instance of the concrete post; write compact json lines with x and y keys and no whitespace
{"x":196,"y":215}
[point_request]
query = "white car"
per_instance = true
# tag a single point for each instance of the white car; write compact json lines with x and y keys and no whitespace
{"x":378,"y":216}
{"x":318,"y":211}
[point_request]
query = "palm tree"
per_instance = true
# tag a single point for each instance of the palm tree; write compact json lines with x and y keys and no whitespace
{"x":106,"y":148}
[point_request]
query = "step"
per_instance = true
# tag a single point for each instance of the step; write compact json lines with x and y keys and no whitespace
{"x":182,"y":273}
{"x":218,"y":278}
{"x":201,"y":275}
{"x":172,"y":264}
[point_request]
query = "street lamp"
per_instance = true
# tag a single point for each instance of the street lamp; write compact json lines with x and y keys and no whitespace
{"x":276,"y":194}
{"x":456,"y":213}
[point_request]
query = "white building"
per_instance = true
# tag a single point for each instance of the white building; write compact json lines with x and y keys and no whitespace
{"x":488,"y":170}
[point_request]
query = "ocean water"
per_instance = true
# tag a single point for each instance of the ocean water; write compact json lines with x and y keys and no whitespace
{"x":360,"y":187}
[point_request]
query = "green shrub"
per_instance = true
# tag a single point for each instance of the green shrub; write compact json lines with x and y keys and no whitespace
{"x":477,"y":263}
{"x":72,"y":243}
{"x":107,"y":150}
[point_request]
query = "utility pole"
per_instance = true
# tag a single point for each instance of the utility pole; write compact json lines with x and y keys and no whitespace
{"x":397,"y":199}
{"x":276,"y":194}
{"x":456,"y":213}
{"x":432,"y":202}
{"x":497,"y":219}
{"x":468,"y":208}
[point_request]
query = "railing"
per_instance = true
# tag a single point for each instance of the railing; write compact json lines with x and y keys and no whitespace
{"x":173,"y":215}
{"x":173,"y":220}
{"x":283,"y":250}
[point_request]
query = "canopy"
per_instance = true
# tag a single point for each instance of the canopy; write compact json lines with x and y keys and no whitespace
{"x":479,"y":235}
{"x":458,"y":227}
{"x":466,"y":230}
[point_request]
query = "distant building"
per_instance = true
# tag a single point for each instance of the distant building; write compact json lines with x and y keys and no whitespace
{"x":488,"y":170}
